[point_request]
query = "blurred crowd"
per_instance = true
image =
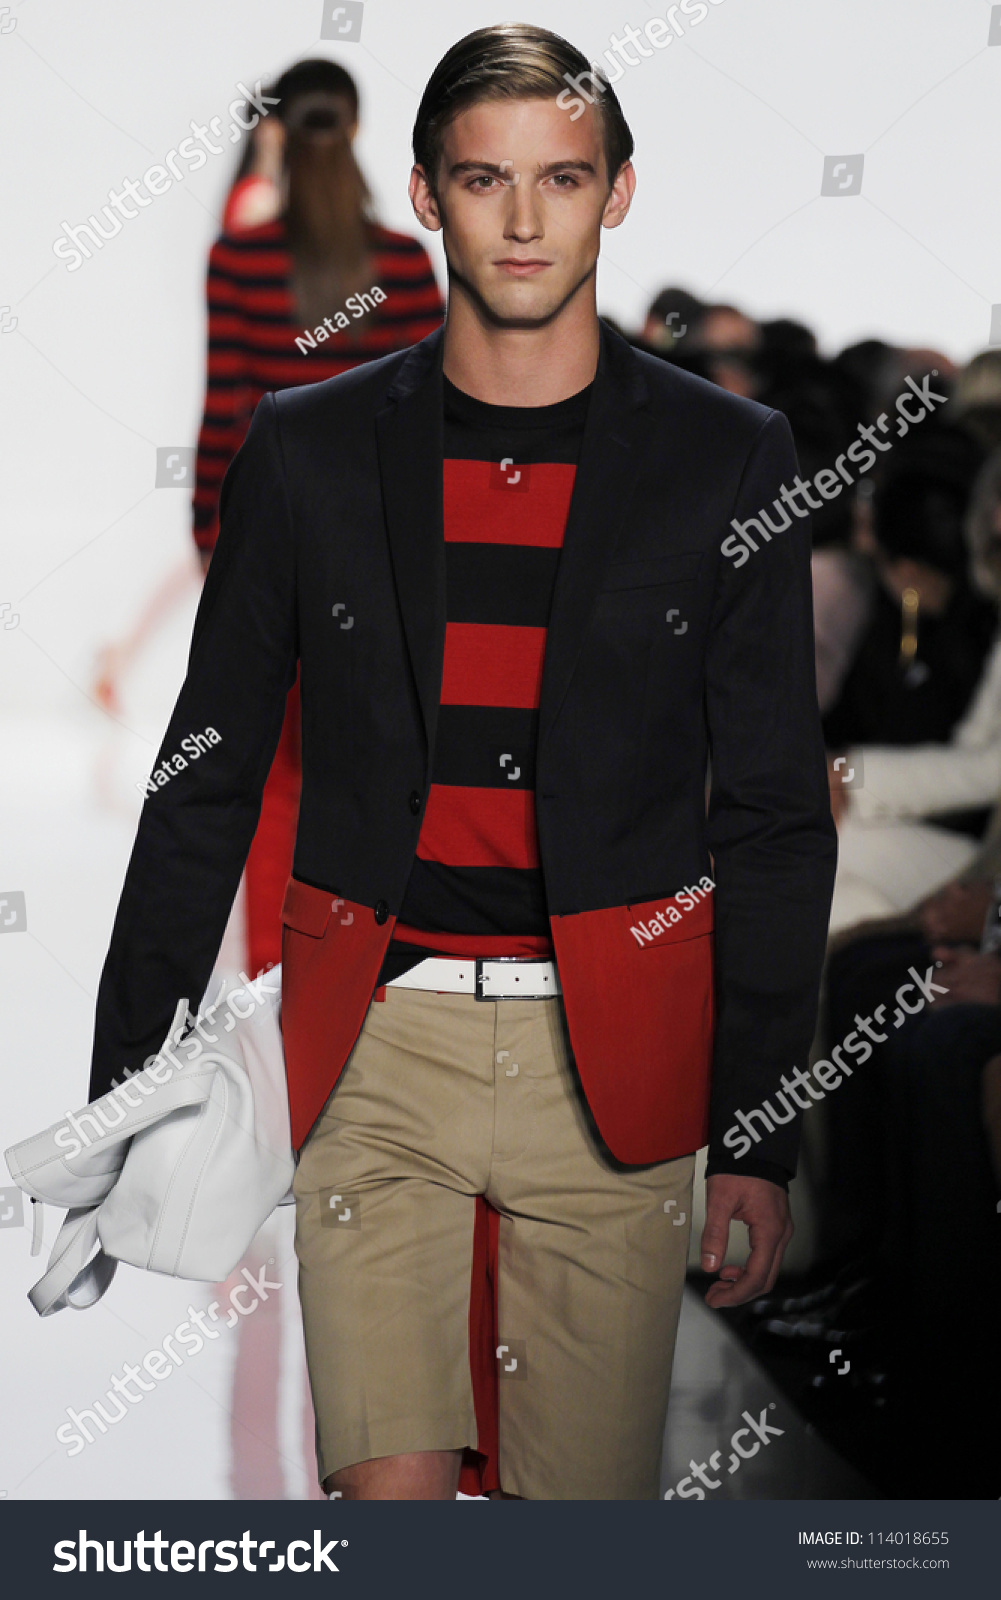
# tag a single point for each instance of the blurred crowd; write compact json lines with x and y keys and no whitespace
{"x":904,"y":1160}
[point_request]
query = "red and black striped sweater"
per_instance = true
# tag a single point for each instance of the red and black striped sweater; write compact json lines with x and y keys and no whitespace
{"x":252,"y":331}
{"x":476,"y":887}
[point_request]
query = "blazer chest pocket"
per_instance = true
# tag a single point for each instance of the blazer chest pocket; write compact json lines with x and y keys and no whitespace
{"x":660,"y":571}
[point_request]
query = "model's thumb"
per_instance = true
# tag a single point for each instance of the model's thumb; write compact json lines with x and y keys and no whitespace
{"x":715,"y":1234}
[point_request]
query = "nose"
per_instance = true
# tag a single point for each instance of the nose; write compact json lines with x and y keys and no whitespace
{"x":524,"y":217}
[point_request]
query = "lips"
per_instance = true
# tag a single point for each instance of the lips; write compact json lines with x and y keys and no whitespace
{"x":523,"y":269}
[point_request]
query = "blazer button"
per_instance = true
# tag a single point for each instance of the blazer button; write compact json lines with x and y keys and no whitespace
{"x":381,"y":912}
{"x":415,"y":802}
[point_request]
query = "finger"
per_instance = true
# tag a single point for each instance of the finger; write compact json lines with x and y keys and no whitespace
{"x":715,"y":1234}
{"x":756,"y":1272}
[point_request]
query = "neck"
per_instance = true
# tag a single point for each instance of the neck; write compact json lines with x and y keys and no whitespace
{"x":520,"y":366}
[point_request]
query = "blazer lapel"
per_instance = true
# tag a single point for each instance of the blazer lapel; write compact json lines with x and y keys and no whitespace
{"x":410,"y":432}
{"x":617,"y":434}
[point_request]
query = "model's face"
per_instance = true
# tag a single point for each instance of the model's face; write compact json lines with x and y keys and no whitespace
{"x":522,"y":197}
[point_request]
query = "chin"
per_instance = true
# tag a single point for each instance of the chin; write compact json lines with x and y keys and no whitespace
{"x":524,"y":309}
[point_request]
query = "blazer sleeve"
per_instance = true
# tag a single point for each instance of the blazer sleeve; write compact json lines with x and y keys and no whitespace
{"x":770,"y":829}
{"x":198,"y":822}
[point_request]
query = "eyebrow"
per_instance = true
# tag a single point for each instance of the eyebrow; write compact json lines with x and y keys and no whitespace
{"x":540,"y":172}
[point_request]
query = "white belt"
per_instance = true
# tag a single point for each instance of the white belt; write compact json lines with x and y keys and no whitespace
{"x":486,"y":977}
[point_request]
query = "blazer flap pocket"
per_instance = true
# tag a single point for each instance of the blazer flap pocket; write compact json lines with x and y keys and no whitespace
{"x":306,"y":909}
{"x":645,"y":574}
{"x":674,"y":919}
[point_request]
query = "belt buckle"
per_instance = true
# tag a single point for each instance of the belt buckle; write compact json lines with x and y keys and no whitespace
{"x":518,"y":960}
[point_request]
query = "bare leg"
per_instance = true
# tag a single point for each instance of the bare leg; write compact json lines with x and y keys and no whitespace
{"x":422,"y":1475}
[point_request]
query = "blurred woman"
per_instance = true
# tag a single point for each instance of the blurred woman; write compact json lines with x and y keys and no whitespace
{"x":302,"y":284}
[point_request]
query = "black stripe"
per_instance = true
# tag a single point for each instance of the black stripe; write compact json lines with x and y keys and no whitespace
{"x":506,"y":585}
{"x":484,"y":901}
{"x":522,"y":445}
{"x":478,"y":431}
{"x":471,"y":740}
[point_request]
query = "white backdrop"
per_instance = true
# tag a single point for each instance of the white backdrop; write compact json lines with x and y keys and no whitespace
{"x":732,"y":125}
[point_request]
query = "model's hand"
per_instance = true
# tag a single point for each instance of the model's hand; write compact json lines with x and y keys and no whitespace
{"x":764,"y":1207}
{"x":971,"y":979}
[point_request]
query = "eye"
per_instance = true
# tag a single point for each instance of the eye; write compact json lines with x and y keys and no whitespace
{"x":483,"y":181}
{"x":565,"y":180}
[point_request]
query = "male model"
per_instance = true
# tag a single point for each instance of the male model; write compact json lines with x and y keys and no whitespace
{"x":526,"y":971}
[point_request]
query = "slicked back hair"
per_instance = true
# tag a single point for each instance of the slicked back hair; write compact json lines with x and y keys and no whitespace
{"x":513,"y":61}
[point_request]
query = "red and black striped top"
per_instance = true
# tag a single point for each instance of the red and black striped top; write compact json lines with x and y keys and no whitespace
{"x":252,"y":330}
{"x":476,"y":886}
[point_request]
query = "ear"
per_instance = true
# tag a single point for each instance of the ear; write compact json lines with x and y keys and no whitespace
{"x":620,"y":197}
{"x":423,"y":201}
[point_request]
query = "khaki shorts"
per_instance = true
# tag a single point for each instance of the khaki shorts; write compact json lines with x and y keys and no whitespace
{"x":445,"y":1098}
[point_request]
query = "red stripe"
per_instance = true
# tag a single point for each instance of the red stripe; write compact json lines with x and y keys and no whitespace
{"x":479,"y":827}
{"x":479,"y":511}
{"x":472,"y":944}
{"x":488,"y":665}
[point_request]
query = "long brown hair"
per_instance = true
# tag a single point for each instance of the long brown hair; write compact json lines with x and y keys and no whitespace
{"x":328,"y":209}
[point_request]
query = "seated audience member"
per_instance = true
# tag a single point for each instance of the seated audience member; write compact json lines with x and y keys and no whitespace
{"x":876,"y":369}
{"x":910,"y":1148}
{"x":732,"y":342}
{"x":715,"y":341}
{"x":966,"y":773}
{"x":824,"y":405}
{"x":941,"y":1247}
{"x":908,"y":1280}
{"x":786,"y":337}
{"x":976,"y":400}
{"x":842,"y":593}
{"x":882,"y":369}
{"x":921,"y":655}
{"x":674,"y":317}
{"x":889,"y":856}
